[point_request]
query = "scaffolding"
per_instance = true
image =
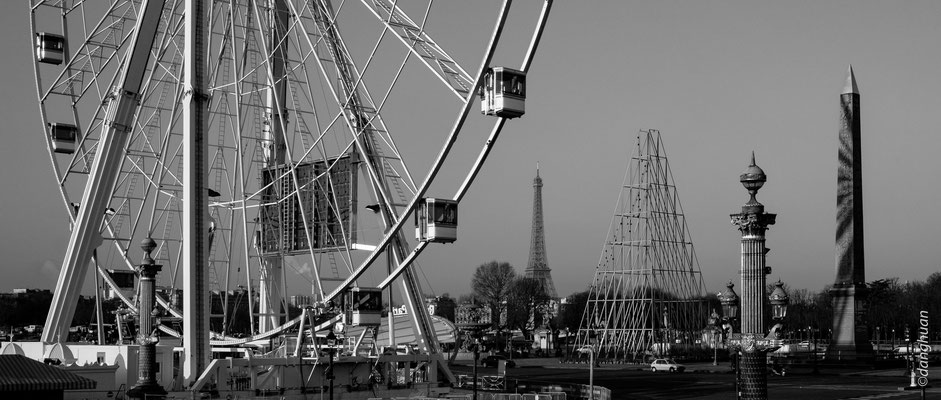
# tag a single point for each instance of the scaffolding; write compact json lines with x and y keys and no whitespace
{"x":647,"y":296}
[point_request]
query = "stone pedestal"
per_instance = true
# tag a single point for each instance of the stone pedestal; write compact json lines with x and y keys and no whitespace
{"x":754,"y":378}
{"x":850,"y":341}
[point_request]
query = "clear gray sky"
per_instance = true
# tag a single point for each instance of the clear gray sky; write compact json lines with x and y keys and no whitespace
{"x":717,"y":78}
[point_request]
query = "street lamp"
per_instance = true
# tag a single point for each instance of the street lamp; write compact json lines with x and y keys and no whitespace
{"x":813,"y":335}
{"x":331,"y":349}
{"x":779,"y":301}
{"x":472,"y":324}
{"x":713,"y":320}
{"x":730,"y":304}
{"x":591,"y":370}
{"x":910,"y":346}
{"x":729,"y":300}
{"x":893,"y":339}
{"x":476,"y":361}
{"x":878,"y":341}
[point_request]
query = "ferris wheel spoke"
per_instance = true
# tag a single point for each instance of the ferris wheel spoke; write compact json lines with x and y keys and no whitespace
{"x":347,"y":88}
{"x":394,"y":229}
{"x":422,"y":45}
{"x":97,"y":52}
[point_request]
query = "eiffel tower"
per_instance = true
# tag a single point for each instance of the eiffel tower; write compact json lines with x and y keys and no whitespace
{"x":647,"y":292}
{"x":538,"y":265}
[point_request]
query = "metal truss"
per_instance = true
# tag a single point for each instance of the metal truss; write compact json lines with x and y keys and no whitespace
{"x":647,"y":293}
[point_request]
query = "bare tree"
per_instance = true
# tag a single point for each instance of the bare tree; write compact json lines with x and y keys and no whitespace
{"x":467,"y":298}
{"x":526,"y":305}
{"x":570,"y":313}
{"x":491,"y":284}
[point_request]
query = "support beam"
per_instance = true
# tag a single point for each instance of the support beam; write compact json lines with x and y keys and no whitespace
{"x":271,"y":292}
{"x":195,"y":197}
{"x":86,"y":236}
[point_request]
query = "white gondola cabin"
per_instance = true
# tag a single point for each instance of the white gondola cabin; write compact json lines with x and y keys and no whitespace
{"x":363,"y":306}
{"x":436,"y":221}
{"x":64,"y":137}
{"x":50,"y":48}
{"x":503,"y":93}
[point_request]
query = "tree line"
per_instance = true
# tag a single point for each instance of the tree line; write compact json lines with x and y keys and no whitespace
{"x":517,"y":303}
{"x":514,"y":302}
{"x":30,"y":308}
{"x":893,"y":308}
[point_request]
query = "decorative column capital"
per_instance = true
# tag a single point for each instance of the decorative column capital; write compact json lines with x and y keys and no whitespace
{"x":753,"y":223}
{"x":149,"y":271}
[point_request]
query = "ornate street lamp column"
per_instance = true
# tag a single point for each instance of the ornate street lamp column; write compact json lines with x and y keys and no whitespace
{"x":470,"y":322}
{"x":753,"y":221}
{"x":730,"y":306}
{"x":146,"y":377}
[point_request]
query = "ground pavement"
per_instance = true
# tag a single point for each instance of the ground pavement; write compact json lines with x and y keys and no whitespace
{"x":703,"y":380}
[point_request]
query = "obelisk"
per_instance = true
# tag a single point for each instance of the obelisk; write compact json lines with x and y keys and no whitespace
{"x":849,"y":341}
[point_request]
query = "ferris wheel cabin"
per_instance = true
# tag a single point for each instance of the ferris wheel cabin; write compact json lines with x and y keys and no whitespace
{"x":64,"y":137}
{"x":363,"y":306}
{"x":503,"y":93}
{"x":50,"y":48}
{"x":436,"y":221}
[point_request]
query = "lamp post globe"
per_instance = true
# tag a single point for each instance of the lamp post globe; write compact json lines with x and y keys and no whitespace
{"x":753,"y":179}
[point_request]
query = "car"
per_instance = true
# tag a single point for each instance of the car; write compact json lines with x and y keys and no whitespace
{"x":666,"y":364}
{"x":494,"y":360}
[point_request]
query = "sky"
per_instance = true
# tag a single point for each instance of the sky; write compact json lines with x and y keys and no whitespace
{"x":718,"y":79}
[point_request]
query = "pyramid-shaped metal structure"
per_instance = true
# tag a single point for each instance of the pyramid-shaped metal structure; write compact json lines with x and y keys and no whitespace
{"x":647,"y":296}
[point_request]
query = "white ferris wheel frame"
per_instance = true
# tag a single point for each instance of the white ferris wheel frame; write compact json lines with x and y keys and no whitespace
{"x":419,"y":44}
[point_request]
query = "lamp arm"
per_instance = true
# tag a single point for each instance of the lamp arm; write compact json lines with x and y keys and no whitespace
{"x":775,"y":331}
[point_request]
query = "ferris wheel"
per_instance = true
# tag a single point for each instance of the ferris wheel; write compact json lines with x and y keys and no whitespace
{"x":304,"y":178}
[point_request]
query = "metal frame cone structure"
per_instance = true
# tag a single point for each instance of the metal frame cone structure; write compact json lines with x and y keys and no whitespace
{"x":647,"y":290}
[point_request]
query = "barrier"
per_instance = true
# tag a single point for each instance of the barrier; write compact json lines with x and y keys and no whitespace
{"x":536,"y":396}
{"x":493,"y":383}
{"x":505,"y":396}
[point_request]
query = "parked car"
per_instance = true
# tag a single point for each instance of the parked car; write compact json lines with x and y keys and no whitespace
{"x":666,"y":364}
{"x":494,"y":360}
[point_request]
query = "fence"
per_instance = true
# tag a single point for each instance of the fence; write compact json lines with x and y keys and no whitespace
{"x":524,"y":396}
